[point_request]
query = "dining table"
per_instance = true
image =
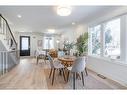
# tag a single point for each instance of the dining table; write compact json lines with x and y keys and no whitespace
{"x":67,"y":61}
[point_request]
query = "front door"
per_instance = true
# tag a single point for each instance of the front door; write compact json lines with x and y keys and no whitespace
{"x":24,"y":45}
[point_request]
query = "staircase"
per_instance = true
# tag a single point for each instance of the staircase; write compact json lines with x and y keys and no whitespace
{"x":9,"y":55}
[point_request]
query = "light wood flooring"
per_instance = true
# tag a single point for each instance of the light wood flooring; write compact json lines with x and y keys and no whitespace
{"x":28,"y":75}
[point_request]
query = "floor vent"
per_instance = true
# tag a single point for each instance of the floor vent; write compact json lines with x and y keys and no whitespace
{"x":101,"y":76}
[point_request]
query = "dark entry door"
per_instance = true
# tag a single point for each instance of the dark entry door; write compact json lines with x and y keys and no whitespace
{"x":24,"y":45}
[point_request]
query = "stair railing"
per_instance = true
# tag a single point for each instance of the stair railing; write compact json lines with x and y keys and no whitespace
{"x":6,"y":30}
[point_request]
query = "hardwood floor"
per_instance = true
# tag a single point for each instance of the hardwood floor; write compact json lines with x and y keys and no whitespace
{"x":28,"y":75}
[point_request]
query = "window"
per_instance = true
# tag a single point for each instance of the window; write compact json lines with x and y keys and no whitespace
{"x":110,"y":33}
{"x":48,"y":43}
{"x":112,"y":39}
{"x":95,"y":39}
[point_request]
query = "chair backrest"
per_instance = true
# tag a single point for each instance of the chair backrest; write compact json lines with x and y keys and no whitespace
{"x":53,"y":53}
{"x":61,"y":53}
{"x":79,"y":64}
{"x":40,"y":52}
{"x":50,"y":61}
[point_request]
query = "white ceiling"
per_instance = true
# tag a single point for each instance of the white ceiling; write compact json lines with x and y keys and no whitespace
{"x":39,"y":18}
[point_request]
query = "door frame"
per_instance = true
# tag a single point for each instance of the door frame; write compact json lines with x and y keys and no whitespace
{"x":28,"y":53}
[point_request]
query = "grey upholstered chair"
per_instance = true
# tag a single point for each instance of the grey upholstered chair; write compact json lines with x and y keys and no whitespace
{"x":77,"y":68}
{"x":55,"y":65}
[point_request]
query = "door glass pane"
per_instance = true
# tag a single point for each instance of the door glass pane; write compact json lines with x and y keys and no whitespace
{"x":25,"y":44}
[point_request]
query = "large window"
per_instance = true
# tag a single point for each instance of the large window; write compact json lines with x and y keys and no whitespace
{"x":95,"y":39}
{"x":105,"y":39}
{"x":48,"y":43}
{"x":112,"y":39}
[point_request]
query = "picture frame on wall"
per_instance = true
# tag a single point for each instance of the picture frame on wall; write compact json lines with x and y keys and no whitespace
{"x":39,"y":43}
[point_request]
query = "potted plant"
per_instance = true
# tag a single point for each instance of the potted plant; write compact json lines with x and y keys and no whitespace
{"x":82,"y":44}
{"x":68,"y":46}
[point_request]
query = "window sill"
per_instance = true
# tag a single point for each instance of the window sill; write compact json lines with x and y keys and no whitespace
{"x":113,"y":61}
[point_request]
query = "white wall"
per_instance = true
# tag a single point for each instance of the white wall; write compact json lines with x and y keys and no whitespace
{"x":73,"y":32}
{"x":114,"y":70}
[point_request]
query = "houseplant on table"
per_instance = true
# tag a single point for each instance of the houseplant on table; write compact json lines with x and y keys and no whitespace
{"x":68,"y":46}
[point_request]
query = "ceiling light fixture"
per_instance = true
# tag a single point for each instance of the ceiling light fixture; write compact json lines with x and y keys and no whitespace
{"x":19,"y":16}
{"x":22,"y":31}
{"x":73,"y":23}
{"x":64,"y":10}
{"x":57,"y":41}
{"x":51,"y":30}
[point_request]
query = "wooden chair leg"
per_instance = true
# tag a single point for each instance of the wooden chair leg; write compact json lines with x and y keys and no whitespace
{"x":50,"y":73}
{"x":74,"y":80}
{"x":45,"y":59}
{"x":86,"y":72}
{"x":60,"y":70}
{"x":37,"y":59}
{"x":63,"y":74}
{"x":68,"y":75}
{"x":53,"y":76}
{"x":82,"y":78}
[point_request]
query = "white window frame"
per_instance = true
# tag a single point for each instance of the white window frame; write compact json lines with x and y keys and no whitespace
{"x":49,"y":47}
{"x":90,"y":42}
{"x":123,"y":31}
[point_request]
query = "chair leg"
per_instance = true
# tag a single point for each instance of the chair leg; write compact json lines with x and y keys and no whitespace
{"x":37,"y":59}
{"x":53,"y":75}
{"x":50,"y":73}
{"x":45,"y":59}
{"x":63,"y":74}
{"x":60,"y":72}
{"x":86,"y":72}
{"x":82,"y":78}
{"x":74,"y":80}
{"x":68,"y":75}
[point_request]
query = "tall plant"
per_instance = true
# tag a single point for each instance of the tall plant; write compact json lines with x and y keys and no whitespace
{"x":82,"y":43}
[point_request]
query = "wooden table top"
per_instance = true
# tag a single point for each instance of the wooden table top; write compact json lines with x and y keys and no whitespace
{"x":67,"y":61}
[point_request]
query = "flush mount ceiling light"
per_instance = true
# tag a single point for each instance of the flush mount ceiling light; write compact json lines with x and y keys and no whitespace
{"x":73,"y":23}
{"x":51,"y":30}
{"x":21,"y":31}
{"x":19,"y":16}
{"x":57,"y":41}
{"x":63,"y":10}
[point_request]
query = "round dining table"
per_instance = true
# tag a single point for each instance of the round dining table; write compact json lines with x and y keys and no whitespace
{"x":67,"y":61}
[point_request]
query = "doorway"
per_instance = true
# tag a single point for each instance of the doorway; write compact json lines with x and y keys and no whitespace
{"x":24,"y":45}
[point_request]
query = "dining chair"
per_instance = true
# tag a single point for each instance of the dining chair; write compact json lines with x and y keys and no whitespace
{"x":55,"y":65}
{"x":41,"y":55}
{"x":77,"y":68}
